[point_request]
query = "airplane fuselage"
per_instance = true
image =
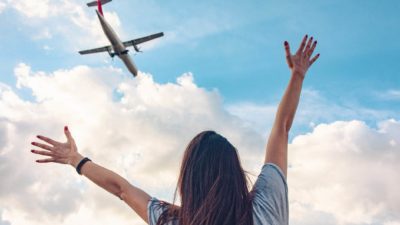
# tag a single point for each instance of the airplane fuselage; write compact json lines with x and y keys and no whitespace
{"x":117,"y":45}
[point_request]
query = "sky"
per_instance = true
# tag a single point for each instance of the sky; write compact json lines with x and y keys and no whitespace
{"x":220,"y":66}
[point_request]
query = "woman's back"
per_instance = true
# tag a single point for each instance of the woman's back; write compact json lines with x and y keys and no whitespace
{"x":270,"y":199}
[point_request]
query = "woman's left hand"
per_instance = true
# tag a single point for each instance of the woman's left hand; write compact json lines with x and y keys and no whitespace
{"x":63,"y":153}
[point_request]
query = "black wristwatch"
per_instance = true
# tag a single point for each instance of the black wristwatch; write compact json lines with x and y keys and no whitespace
{"x":81,"y":163}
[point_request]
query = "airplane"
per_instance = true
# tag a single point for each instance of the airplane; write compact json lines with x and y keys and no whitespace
{"x":117,"y":47}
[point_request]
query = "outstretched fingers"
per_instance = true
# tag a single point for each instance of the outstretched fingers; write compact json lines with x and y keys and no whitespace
{"x":48,"y":140}
{"x":308,"y":47}
{"x":45,"y":153}
{"x":46,"y":160}
{"x":311,"y":51}
{"x":302,"y":45}
{"x":288,"y":55}
{"x":314,"y":59}
{"x":44,"y":146}
{"x":57,"y":151}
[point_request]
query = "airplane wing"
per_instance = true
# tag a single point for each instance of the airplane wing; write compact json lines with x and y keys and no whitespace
{"x":96,"y":50}
{"x":135,"y":42}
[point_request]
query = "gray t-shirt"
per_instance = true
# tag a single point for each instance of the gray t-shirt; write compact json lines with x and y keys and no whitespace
{"x":270,"y":202}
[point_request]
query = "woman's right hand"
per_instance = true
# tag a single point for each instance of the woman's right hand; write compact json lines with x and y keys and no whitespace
{"x":67,"y":153}
{"x":64,"y":153}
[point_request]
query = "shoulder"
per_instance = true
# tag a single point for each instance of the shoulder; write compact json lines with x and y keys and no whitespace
{"x":271,"y":174}
{"x":270,"y":201}
{"x":155,"y":208}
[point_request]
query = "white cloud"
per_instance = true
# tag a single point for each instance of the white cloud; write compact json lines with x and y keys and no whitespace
{"x":34,"y":9}
{"x":2,"y":6}
{"x":392,"y":223}
{"x":3,"y":222}
{"x":340,"y":173}
{"x":347,"y":171}
{"x":149,"y":120}
{"x":67,"y":19}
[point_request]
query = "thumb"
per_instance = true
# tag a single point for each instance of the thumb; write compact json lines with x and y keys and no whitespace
{"x":288,"y":54}
{"x":68,"y":135}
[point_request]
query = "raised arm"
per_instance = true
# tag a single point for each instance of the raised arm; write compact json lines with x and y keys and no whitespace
{"x":67,"y":153}
{"x":298,"y":63}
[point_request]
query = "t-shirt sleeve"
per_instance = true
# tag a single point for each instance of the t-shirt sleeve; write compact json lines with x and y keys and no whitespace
{"x":155,"y":208}
{"x":270,"y":202}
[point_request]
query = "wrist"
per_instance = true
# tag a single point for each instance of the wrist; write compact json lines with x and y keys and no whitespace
{"x":74,"y":161}
{"x":298,"y":74}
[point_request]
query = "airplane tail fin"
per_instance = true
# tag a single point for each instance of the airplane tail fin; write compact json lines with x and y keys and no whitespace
{"x":99,"y":4}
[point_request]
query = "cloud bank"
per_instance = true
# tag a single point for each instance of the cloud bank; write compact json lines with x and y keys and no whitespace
{"x":346,"y":173}
{"x":340,"y":173}
{"x":136,"y":127}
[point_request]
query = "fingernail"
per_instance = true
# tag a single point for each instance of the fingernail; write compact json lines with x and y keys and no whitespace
{"x":32,"y":143}
{"x":66,"y":128}
{"x":32,"y":151}
{"x":306,"y":35}
{"x":286,"y":43}
{"x":38,"y":136}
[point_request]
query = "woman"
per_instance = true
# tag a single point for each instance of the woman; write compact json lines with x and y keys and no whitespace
{"x":212,"y":184}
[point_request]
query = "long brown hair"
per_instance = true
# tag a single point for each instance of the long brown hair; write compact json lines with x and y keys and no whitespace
{"x":212,"y":185}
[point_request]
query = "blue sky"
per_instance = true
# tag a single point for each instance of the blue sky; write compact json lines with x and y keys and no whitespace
{"x":221,"y":66}
{"x":235,"y":47}
{"x":242,"y":54}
